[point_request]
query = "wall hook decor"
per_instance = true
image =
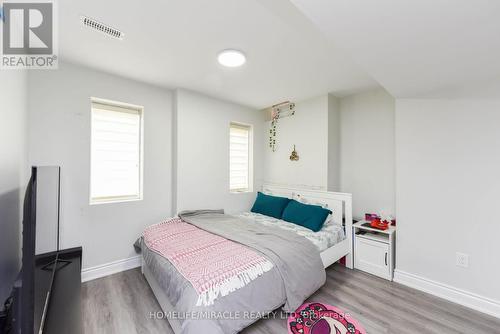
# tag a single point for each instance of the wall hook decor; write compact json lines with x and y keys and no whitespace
{"x":294,"y":156}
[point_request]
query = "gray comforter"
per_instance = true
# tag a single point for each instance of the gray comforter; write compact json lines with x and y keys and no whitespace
{"x":297,"y":273}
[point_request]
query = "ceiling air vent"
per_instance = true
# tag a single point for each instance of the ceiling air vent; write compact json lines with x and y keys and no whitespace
{"x":103,"y":28}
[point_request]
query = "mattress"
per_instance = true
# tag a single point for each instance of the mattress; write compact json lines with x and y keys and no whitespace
{"x":330,"y":234}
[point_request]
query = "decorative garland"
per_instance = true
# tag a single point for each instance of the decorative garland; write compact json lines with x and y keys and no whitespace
{"x":272,"y":133}
{"x":288,"y":109}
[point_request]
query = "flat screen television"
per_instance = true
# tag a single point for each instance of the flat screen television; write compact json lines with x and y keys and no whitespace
{"x":39,"y":250}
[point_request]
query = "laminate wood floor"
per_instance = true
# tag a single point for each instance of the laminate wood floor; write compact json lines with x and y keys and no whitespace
{"x":122,"y":303}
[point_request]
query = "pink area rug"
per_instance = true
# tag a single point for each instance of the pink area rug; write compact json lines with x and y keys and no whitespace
{"x":316,"y":318}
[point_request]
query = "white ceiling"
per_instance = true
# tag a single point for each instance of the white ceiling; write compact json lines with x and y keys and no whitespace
{"x":173,"y":43}
{"x":414,"y":48}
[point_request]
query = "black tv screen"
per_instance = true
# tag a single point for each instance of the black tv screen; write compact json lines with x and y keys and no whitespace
{"x":26,"y":304}
{"x":40,"y":246}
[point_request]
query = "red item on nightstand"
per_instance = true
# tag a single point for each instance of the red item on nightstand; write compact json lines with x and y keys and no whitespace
{"x":379,"y":225}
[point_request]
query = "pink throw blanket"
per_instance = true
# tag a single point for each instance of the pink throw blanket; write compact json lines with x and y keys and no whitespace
{"x":212,"y":264}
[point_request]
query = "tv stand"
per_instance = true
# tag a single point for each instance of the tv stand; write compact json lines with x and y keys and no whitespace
{"x":64,"y":309}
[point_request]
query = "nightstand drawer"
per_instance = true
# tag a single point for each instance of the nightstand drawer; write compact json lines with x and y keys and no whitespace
{"x":373,"y":257}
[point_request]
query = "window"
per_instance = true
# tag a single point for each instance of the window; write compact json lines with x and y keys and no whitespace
{"x":240,"y":141}
{"x":116,"y":152}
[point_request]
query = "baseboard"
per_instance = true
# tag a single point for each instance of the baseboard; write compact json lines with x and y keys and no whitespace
{"x":110,"y":268}
{"x":464,"y":298}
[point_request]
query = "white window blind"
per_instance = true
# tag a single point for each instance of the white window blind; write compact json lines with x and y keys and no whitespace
{"x":239,"y":158}
{"x":116,"y":152}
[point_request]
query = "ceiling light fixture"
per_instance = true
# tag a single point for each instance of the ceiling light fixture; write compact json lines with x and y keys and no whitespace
{"x":231,"y":58}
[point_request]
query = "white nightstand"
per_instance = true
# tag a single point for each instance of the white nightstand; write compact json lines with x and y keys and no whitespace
{"x":374,"y":250}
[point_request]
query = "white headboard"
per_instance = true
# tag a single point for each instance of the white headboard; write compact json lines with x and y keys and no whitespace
{"x":339,"y":203}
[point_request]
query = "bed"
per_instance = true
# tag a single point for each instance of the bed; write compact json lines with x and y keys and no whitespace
{"x":267,"y":292}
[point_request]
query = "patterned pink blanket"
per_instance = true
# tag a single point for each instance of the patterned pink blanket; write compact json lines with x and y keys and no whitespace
{"x":212,"y":264}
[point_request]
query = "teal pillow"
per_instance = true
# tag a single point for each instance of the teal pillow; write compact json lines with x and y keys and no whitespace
{"x":310,"y":216}
{"x":268,"y":205}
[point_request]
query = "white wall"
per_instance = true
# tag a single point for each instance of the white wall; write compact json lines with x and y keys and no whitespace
{"x":202,"y":164}
{"x":334,"y":143}
{"x":367,"y":159}
{"x":308,"y":130}
{"x":448,"y":190}
{"x":345,"y":144}
{"x":13,"y":109}
{"x":59,"y":127}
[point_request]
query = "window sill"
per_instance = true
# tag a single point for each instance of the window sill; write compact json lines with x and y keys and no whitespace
{"x":115,"y":201}
{"x":241,"y":191}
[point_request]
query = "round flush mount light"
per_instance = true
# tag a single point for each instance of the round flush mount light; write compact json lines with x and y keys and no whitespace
{"x":231,"y":58}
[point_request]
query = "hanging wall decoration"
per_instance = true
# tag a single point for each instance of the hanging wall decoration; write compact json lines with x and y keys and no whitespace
{"x":272,"y":134}
{"x":278,"y":111}
{"x":294,"y":156}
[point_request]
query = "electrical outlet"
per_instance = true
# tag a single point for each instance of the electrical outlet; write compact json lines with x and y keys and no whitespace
{"x":462,"y":260}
